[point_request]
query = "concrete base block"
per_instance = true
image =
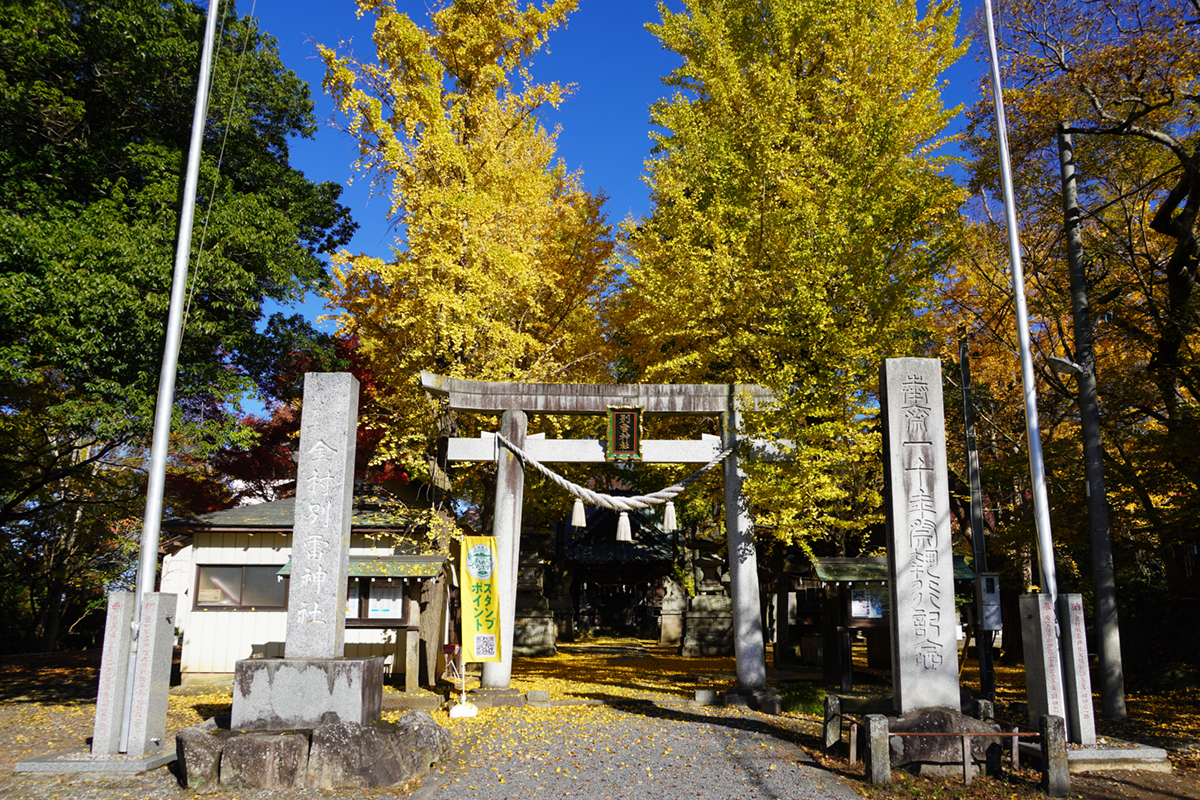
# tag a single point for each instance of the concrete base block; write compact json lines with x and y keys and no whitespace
{"x":81,"y":760}
{"x":409,"y":701}
{"x":302,"y":693}
{"x":494,"y":698}
{"x":1113,"y":755}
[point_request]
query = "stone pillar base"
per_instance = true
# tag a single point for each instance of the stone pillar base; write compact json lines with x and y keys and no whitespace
{"x":707,"y":634}
{"x":278,"y":694}
{"x":670,"y":631}
{"x":765,"y":699}
{"x":534,"y":633}
{"x":493,"y":698}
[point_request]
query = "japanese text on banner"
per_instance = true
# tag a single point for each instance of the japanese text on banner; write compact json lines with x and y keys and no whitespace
{"x":481,"y":600}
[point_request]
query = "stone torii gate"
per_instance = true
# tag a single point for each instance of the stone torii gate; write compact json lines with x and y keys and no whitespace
{"x":514,"y":401}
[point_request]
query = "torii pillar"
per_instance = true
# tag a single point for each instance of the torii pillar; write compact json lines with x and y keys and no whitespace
{"x":748,"y":645}
{"x":506,"y":527}
{"x":514,"y":400}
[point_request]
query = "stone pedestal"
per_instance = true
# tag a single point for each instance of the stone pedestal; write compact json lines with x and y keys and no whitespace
{"x":670,"y":628}
{"x":534,"y":632}
{"x":708,"y":627}
{"x":766,"y":699}
{"x":277,"y":694}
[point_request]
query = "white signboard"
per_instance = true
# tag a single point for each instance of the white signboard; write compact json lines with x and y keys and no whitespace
{"x":866,"y":603}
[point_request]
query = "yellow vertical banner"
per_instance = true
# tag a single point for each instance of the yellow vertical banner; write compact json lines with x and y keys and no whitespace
{"x":481,"y":600}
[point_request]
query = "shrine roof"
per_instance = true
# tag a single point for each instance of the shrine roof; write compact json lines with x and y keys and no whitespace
{"x":388,"y":566}
{"x":872,"y":570}
{"x":372,"y":509}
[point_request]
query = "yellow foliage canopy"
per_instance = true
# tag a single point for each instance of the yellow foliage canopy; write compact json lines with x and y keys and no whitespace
{"x":503,"y":253}
{"x":799,"y":225}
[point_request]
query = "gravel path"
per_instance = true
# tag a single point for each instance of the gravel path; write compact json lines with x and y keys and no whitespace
{"x":593,"y":752}
{"x":634,"y":751}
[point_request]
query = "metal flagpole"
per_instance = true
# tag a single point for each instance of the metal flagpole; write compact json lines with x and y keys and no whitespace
{"x":152,"y":521}
{"x":1041,"y":506}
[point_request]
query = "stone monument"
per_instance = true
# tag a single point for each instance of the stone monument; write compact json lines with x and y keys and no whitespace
{"x":674,"y":604}
{"x":1043,"y":668}
{"x":534,"y":630}
{"x":313,"y":683}
{"x":708,"y":622}
{"x":920,"y":569}
{"x":1081,"y":716}
{"x":562,"y":605}
{"x":152,"y":676}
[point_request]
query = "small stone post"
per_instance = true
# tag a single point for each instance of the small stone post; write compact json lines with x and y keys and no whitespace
{"x":114,"y":667}
{"x":877,"y":758}
{"x":152,"y":675}
{"x":1056,"y":774}
{"x":1081,"y":716}
{"x":1043,"y":669}
{"x":833,"y":722}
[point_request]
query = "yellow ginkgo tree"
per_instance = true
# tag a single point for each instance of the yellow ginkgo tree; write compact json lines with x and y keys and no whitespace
{"x":800,"y":221}
{"x":501,"y":253}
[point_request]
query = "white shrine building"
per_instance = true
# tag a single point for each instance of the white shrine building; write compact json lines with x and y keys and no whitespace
{"x":231,"y":572}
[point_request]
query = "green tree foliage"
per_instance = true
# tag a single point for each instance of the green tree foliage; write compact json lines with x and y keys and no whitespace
{"x":800,"y":221}
{"x":95,"y":115}
{"x":502,"y":253}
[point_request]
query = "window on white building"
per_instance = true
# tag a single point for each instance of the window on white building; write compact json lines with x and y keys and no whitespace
{"x":244,"y":587}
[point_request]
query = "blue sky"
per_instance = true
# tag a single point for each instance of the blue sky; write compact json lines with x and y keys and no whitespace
{"x":615,"y":64}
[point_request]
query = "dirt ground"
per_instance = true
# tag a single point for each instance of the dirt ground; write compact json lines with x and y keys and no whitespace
{"x":47,"y":704}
